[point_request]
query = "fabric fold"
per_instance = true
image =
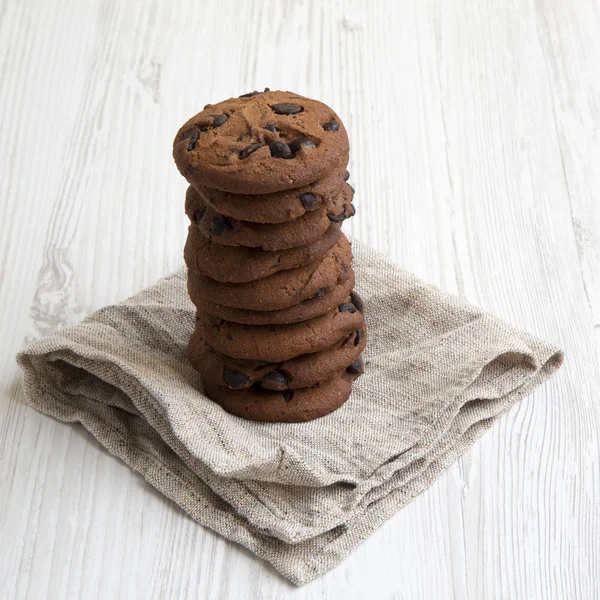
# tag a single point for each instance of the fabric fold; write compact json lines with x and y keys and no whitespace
{"x":439,"y":372}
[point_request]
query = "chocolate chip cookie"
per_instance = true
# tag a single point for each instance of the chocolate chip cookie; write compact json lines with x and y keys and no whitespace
{"x":299,"y":372}
{"x":278,"y":291}
{"x":289,"y":406}
{"x":237,"y":264}
{"x":280,"y":206}
{"x":323,"y":301}
{"x":305,"y":230}
{"x":276,"y":343}
{"x":260,"y":144}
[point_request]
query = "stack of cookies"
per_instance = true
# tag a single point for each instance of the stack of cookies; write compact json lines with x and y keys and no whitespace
{"x":279,"y":328}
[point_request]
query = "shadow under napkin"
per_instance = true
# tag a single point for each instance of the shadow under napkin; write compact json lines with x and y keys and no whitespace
{"x":301,"y":495}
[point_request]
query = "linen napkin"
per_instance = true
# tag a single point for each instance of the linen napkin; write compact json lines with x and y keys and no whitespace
{"x":438,"y":373}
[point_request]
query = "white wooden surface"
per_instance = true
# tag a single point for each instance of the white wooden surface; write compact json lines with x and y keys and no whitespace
{"x":475,"y":130}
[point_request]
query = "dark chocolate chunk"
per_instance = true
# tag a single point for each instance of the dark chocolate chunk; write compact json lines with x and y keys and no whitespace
{"x":254,"y":93}
{"x":357,"y":301}
{"x":298,"y":143}
{"x":331,"y":125}
{"x":346,"y":175}
{"x":199,"y":214}
{"x":193,"y":137}
{"x":285,"y":108}
{"x":288,"y":395}
{"x":357,"y":367}
{"x":248,"y":150}
{"x":277,"y":380}
{"x":280,"y":150}
{"x":271,"y":127}
{"x":236,"y":380}
{"x":319,"y":293}
{"x":309,"y":201}
{"x":337,"y":218}
{"x":347,"y":307}
{"x":276,"y":263}
{"x":360,"y":334}
{"x":218,"y":119}
{"x":220,"y":224}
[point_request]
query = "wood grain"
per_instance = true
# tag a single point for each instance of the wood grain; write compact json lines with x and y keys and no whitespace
{"x":475,"y":153}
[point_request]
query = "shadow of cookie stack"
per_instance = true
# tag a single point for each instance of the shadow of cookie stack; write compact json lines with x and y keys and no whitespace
{"x":279,"y":329}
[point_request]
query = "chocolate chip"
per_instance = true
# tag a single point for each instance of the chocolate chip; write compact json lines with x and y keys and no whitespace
{"x":297,"y":144}
{"x":248,"y":150}
{"x":236,"y":380}
{"x":218,"y":119}
{"x":319,"y":293}
{"x":331,"y":125}
{"x":288,"y":395}
{"x":276,"y":263}
{"x":277,"y":380}
{"x":193,"y":137}
{"x":280,"y":150}
{"x":199,"y":214}
{"x":357,"y":301}
{"x":337,"y":218}
{"x":271,"y":127}
{"x":309,"y":201}
{"x":285,"y":108}
{"x":346,"y":175}
{"x":357,"y":367}
{"x":347,"y":307}
{"x":360,"y":334}
{"x":254,"y":93}
{"x":351,"y":211}
{"x":220,"y":224}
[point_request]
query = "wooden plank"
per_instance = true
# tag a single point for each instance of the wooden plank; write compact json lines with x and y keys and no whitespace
{"x":474,"y":142}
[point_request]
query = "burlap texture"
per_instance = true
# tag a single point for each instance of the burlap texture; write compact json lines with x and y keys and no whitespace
{"x":438,"y":373}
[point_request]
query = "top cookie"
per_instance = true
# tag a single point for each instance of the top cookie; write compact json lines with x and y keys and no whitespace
{"x":259,"y":144}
